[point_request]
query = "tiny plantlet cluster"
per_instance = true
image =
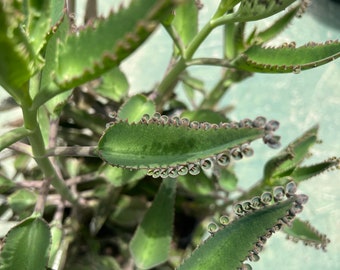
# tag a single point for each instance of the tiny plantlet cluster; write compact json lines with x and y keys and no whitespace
{"x":108,"y":180}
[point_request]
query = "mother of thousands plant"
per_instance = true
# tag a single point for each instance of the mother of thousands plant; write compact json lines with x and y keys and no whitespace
{"x":83,"y":195}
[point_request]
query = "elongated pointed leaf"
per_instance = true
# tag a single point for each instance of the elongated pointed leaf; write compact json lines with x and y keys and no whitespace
{"x":289,"y":158}
{"x":287,"y":59}
{"x":48,"y":89}
{"x":151,"y":243}
{"x":231,"y":245}
{"x":98,"y":48}
{"x":305,"y":232}
{"x":186,"y":21}
{"x":160,"y":142}
{"x":17,"y":61}
{"x":277,"y":27}
{"x":251,"y":10}
{"x":13,"y":136}
{"x":27,"y":246}
{"x":306,"y":172}
{"x":41,"y":17}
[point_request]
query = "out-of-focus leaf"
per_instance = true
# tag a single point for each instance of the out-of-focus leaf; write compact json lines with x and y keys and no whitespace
{"x":135,"y":107}
{"x":5,"y":184}
{"x":198,"y":184}
{"x":120,"y":177}
{"x":114,"y":85}
{"x":13,"y":136}
{"x":48,"y":89}
{"x":129,"y":211}
{"x":22,"y":200}
{"x":17,"y":59}
{"x":205,"y":115}
{"x":186,"y":21}
{"x":227,"y":180}
{"x":150,"y":244}
{"x":27,"y":245}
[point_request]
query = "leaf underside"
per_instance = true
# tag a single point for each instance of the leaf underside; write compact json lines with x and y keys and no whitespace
{"x":287,"y":59}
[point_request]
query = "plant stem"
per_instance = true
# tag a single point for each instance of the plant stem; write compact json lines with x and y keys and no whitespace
{"x":38,"y":150}
{"x":80,"y":151}
{"x":168,"y":83}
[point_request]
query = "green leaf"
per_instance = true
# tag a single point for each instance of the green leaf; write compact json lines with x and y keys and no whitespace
{"x":287,"y":59}
{"x":107,"y":42}
{"x":204,"y":115}
{"x":305,"y":232}
{"x":150,"y":244}
{"x":289,"y":158}
{"x":17,"y":60}
{"x":135,"y":107}
{"x":251,"y":10}
{"x":56,"y":240}
{"x":197,"y":184}
{"x":48,"y":89}
{"x":5,"y":184}
{"x":231,"y":245}
{"x":303,"y":173}
{"x":22,"y":202}
{"x":114,"y":85}
{"x":13,"y":136}
{"x":129,"y":211}
{"x":160,"y":142}
{"x":42,"y":15}
{"x":27,"y":245}
{"x":186,"y":21}
{"x":277,"y":27}
{"x":119,"y":177}
{"x":227,"y":180}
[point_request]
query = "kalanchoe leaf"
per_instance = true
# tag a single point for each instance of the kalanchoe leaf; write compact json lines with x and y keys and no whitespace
{"x":107,"y":42}
{"x":13,"y":136}
{"x":179,"y":146}
{"x":135,"y":107}
{"x":150,"y":244}
{"x":257,"y":222}
{"x":17,"y":60}
{"x":305,"y":232}
{"x":29,"y":239}
{"x":114,"y":85}
{"x":287,"y":58}
{"x":277,"y":27}
{"x":289,"y":158}
{"x":306,"y":172}
{"x":186,"y":21}
{"x":251,"y":10}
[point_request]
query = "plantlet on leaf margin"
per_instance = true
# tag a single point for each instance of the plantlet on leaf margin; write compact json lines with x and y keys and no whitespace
{"x":173,"y":146}
{"x":257,"y":221}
